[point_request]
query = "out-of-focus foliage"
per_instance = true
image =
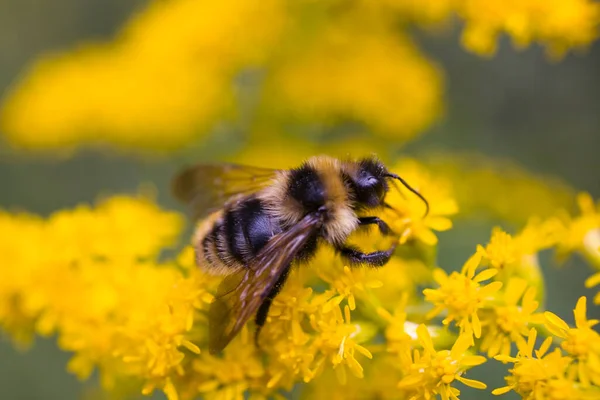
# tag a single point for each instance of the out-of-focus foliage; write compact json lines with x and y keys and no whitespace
{"x":500,"y":188}
{"x":181,"y":67}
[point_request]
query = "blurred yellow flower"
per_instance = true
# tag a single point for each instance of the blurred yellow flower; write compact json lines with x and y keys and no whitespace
{"x":177,"y":70}
{"x":558,"y":24}
{"x":162,"y":83}
{"x":483,"y":186}
{"x":181,"y":67}
{"x":582,"y":233}
{"x":517,"y":256}
{"x":352,"y":72}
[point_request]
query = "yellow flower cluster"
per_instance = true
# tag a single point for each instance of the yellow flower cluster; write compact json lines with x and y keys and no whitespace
{"x":180,"y":67}
{"x":92,"y":277}
{"x":569,"y":372}
{"x":98,"y":279}
{"x":558,"y":25}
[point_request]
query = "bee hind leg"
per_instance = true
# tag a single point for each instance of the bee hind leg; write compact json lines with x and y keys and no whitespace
{"x":263,"y":310}
{"x":375,"y":259}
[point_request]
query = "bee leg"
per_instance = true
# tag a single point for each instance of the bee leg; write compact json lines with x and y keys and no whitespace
{"x":374,"y":259}
{"x":381,"y":224}
{"x":263,"y":310}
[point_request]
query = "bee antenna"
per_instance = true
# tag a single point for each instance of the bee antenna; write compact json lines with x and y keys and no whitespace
{"x":410,"y":188}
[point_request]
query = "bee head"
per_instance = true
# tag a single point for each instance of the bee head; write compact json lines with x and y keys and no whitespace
{"x":369,"y":180}
{"x":369,"y":183}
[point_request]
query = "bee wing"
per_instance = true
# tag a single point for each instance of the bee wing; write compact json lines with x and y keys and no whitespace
{"x":239,"y":296}
{"x":208,"y":187}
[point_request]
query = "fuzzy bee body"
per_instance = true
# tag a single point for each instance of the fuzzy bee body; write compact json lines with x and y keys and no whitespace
{"x":227,"y":242}
{"x":265,"y":220}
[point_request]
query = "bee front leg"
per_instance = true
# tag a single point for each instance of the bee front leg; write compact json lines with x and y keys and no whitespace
{"x":381,"y":224}
{"x":375,"y":259}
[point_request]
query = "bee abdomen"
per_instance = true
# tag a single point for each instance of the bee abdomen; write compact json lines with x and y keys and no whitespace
{"x":237,"y":237}
{"x":213,"y":255}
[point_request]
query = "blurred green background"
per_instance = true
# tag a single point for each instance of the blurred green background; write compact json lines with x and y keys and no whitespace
{"x":518,"y":105}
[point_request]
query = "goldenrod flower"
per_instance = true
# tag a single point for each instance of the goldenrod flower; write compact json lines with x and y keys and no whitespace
{"x":582,"y":343}
{"x":432,"y":372}
{"x":347,"y":283}
{"x":462,"y":296}
{"x":400,"y":333}
{"x":229,"y":377}
{"x":508,"y":320}
{"x":324,"y":79}
{"x":558,"y":24}
{"x":517,"y":256}
{"x":582,"y":233}
{"x":162,"y":83}
{"x":78,"y":284}
{"x":542,"y":376}
{"x":407,"y":216}
{"x":337,"y":342}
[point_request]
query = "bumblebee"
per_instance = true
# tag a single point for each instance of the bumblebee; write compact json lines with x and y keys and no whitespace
{"x":257,"y":222}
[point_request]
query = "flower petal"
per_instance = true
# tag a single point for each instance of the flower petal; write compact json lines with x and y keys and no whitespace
{"x":472,"y":361}
{"x":556,"y":325}
{"x":502,"y":390}
{"x":580,"y":312}
{"x":472,"y":383}
{"x":425,"y":338}
{"x":485,"y":275}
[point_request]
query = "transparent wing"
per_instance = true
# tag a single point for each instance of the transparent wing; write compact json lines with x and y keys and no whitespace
{"x":239,"y":296}
{"x":209,"y":187}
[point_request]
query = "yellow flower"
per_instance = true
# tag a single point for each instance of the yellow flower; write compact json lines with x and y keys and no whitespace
{"x":582,"y":343}
{"x":77,"y":284}
{"x":540,"y":377}
{"x":347,"y":283}
{"x":322,"y":79}
{"x":239,"y":370}
{"x":406,"y":217}
{"x":582,"y":233}
{"x":400,"y":334}
{"x":162,"y":83}
{"x":559,"y":25}
{"x":337,"y":343}
{"x":499,"y":189}
{"x":508,"y":321}
{"x":375,"y":385}
{"x":462,"y":296}
{"x":432,"y":372}
{"x":517,"y":256}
